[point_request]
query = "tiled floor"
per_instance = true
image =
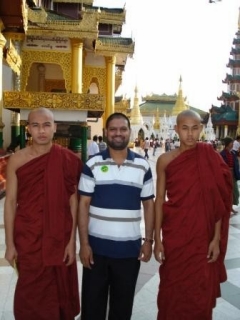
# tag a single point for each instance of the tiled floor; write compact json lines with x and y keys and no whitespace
{"x":228,"y":307}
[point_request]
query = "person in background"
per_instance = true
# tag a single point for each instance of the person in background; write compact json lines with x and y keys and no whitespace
{"x":93,"y":147}
{"x":230,"y":157}
{"x":101,"y":144}
{"x":236,"y":145}
{"x":192,"y":210}
{"x":167,"y":145}
{"x":155,"y":145}
{"x":146,"y":147}
{"x":112,"y":188}
{"x":40,"y":214}
{"x":177,"y":143}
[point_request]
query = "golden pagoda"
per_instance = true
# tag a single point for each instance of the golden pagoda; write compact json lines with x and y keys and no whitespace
{"x":136,"y":117}
{"x":180,"y":104}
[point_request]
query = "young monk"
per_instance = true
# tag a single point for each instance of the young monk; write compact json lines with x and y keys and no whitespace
{"x":193,"y":205}
{"x":40,"y":224}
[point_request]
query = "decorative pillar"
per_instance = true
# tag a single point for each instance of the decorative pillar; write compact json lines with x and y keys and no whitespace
{"x":2,"y":125}
{"x":217,"y":132}
{"x":23,"y":124}
{"x":225,"y":130}
{"x":77,"y":61}
{"x":77,"y":67}
{"x":110,"y":90}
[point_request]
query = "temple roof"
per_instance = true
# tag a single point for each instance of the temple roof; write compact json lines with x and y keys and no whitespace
{"x":233,"y":63}
{"x":235,"y":51}
{"x":121,"y":47}
{"x":116,"y":41}
{"x":236,"y":41}
{"x":112,"y":16}
{"x":56,"y":16}
{"x":228,"y":96}
{"x":223,"y":114}
{"x":163,"y":97}
{"x":150,"y":108}
{"x":231,"y":78}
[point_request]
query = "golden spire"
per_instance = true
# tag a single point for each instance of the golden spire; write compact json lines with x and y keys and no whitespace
{"x":136,"y":117}
{"x":156,"y":125}
{"x":179,"y":104}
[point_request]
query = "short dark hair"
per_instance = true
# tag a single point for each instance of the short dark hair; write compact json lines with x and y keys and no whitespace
{"x":95,"y":138}
{"x":237,"y":137}
{"x":227,"y":141}
{"x":117,"y":115}
{"x":100,"y":138}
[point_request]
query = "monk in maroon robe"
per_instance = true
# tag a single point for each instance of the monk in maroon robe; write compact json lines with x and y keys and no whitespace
{"x":43,"y":192}
{"x":193,"y":205}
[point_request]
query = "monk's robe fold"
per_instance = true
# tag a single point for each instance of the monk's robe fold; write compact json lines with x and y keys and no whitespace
{"x":189,"y":285}
{"x":46,"y":288}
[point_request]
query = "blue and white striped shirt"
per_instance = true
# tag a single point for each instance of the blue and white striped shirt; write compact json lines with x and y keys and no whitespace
{"x":115,"y":209}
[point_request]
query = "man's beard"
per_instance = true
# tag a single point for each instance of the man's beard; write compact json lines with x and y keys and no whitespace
{"x":118,"y":145}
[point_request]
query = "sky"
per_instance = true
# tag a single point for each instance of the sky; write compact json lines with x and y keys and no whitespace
{"x":173,"y":38}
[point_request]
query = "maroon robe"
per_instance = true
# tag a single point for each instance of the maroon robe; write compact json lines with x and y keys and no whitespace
{"x":199,"y":192}
{"x":46,"y":287}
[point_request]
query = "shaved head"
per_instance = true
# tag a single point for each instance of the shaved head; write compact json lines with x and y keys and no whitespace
{"x":40,"y":110}
{"x":188,"y":114}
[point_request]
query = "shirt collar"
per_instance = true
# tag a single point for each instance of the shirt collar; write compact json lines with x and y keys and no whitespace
{"x":130,"y":155}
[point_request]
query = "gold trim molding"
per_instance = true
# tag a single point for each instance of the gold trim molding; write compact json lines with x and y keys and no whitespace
{"x":61,"y":58}
{"x":85,"y":28}
{"x":58,"y":101}
{"x":111,"y":49}
{"x":39,"y":16}
{"x":13,"y":58}
{"x":112,"y":18}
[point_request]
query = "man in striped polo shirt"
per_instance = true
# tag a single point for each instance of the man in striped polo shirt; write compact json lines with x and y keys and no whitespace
{"x":112,"y":187}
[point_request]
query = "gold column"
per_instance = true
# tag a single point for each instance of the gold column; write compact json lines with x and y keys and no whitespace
{"x":77,"y":61}
{"x":110,"y":90}
{"x":2,"y":44}
{"x":217,"y":132}
{"x":225,"y":130}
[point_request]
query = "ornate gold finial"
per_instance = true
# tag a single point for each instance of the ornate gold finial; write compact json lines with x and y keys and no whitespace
{"x":179,"y":104}
{"x":136,"y":117}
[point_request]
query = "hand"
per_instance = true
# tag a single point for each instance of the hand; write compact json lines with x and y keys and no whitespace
{"x":69,"y":253}
{"x":159,"y":252}
{"x":11,"y":255}
{"x":213,"y":251}
{"x":86,"y":256}
{"x":145,"y":251}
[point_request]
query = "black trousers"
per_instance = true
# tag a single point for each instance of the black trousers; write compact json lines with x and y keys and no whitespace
{"x":109,"y":278}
